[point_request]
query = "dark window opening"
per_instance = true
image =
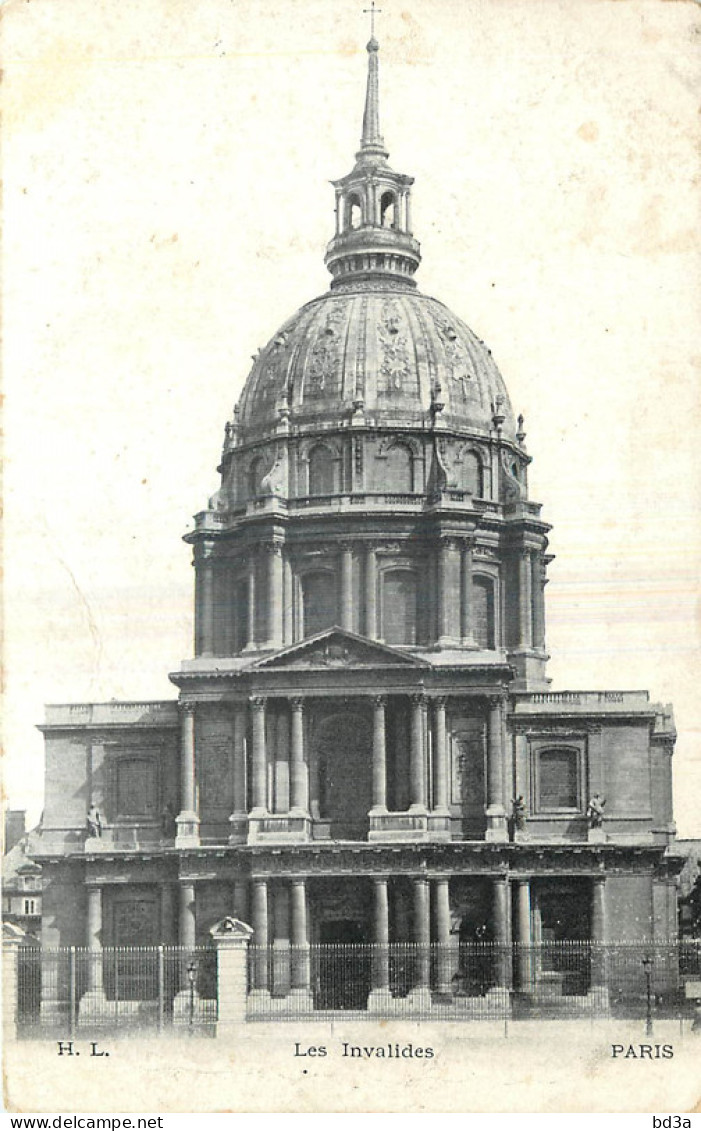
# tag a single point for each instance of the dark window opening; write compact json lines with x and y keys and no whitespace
{"x":319,"y":602}
{"x":399,"y":607}
{"x":321,"y":471}
{"x":557,"y":780}
{"x":483,"y":612}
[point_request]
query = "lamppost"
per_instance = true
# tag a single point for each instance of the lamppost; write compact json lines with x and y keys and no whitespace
{"x":647,"y":967}
{"x":191,"y":977}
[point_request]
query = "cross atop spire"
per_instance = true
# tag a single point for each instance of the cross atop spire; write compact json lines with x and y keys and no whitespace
{"x":371,"y":11}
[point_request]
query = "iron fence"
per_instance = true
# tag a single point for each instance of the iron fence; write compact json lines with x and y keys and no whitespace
{"x":73,"y":989}
{"x":476,"y":980}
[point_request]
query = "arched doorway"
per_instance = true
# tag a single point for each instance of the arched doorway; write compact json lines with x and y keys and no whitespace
{"x":343,"y":751}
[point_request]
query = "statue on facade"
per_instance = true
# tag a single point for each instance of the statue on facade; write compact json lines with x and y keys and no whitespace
{"x":595,"y":811}
{"x":93,"y":822}
{"x":518,"y":813}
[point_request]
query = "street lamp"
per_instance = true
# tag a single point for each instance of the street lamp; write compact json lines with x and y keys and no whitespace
{"x":191,"y":977}
{"x":647,"y":967}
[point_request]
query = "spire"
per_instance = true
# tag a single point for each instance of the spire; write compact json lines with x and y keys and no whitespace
{"x":372,"y":138}
{"x":373,"y":213}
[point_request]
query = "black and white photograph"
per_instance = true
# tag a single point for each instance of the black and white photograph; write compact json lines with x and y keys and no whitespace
{"x":352,"y":551}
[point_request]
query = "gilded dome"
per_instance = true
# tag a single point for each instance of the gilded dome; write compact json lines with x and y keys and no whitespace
{"x":390,"y":349}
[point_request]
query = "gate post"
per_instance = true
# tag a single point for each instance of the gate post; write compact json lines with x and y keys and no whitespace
{"x":12,"y":937}
{"x":231,"y":938}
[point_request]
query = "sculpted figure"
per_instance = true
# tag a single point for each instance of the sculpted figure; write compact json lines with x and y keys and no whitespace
{"x":518,"y":813}
{"x":93,"y":822}
{"x":595,"y":811}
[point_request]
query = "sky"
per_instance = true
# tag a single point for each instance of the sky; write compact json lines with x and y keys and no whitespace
{"x":167,"y":204}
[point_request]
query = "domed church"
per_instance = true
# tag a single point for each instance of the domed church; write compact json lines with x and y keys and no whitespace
{"x":365,"y":748}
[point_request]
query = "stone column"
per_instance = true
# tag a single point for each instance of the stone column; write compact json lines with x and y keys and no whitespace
{"x":524,"y":600}
{"x":440,"y":757}
{"x":299,"y":792}
{"x":496,"y":813}
{"x":524,"y":940}
{"x":347,"y":586}
{"x":187,"y":916}
{"x":380,"y":994}
{"x":205,"y":567}
{"x":538,"y":583}
{"x":371,"y":592}
{"x":447,"y":950}
{"x":598,"y":934}
{"x":287,"y":601}
{"x":408,"y":213}
{"x":502,"y":936}
{"x":279,"y":896}
{"x":274,"y":555}
{"x":379,"y":756}
{"x":12,"y":938}
{"x":281,"y":776}
{"x":300,"y":942}
{"x":237,"y":820}
{"x":466,"y":629}
{"x":417,"y":771}
{"x":259,"y":922}
{"x":167,"y":913}
{"x":251,"y":612}
{"x":187,"y":821}
{"x":442,"y":609}
{"x":259,"y":768}
{"x":94,"y":939}
{"x":421,"y":994}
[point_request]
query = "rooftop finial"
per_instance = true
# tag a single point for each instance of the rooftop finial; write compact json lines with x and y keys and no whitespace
{"x":372,"y":138}
{"x":371,"y":12}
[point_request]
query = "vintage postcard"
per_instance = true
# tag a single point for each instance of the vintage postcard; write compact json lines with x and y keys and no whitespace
{"x":352,"y":488}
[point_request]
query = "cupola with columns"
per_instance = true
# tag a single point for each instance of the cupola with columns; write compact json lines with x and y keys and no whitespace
{"x":373,"y":475}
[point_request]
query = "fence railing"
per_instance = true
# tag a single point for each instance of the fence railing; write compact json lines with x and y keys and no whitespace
{"x":478,"y":980}
{"x":74,"y":990}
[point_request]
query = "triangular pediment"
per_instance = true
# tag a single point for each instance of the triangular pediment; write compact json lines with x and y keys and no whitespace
{"x":337,"y":648}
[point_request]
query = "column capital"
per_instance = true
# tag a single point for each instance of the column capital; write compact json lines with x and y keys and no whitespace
{"x":257,"y":702}
{"x":495,"y":699}
{"x":439,"y":701}
{"x":346,"y":546}
{"x":272,"y":546}
{"x":419,"y":699}
{"x":379,"y":701}
{"x":296,"y":702}
{"x":204,"y":552}
{"x":187,"y":708}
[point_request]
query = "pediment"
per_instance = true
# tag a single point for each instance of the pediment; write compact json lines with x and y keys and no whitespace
{"x":337,"y":648}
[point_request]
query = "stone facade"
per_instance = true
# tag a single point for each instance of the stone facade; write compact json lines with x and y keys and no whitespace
{"x":365,"y":746}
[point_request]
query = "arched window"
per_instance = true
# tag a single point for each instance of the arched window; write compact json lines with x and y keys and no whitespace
{"x":471,"y":474}
{"x":399,"y":607}
{"x":255,"y":474}
{"x":388,"y":210}
{"x":483,"y":612}
{"x":322,"y":471}
{"x":319,"y":601}
{"x":397,"y":470}
{"x":354,"y":211}
{"x":557,"y":780}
